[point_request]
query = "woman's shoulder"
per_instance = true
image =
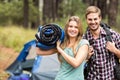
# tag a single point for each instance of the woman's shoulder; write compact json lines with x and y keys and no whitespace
{"x":83,"y":42}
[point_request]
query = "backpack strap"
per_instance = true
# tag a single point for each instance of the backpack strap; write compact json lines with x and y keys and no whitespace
{"x":109,"y":37}
{"x":107,"y":30}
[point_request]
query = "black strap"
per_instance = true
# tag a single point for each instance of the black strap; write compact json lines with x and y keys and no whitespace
{"x":106,"y":28}
{"x":109,"y":37}
{"x":117,"y":60}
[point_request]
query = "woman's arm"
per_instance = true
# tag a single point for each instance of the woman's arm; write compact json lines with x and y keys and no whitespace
{"x":45,"y":52}
{"x":81,"y":55}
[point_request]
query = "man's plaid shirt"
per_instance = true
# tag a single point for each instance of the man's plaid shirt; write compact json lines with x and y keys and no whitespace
{"x":102,"y":62}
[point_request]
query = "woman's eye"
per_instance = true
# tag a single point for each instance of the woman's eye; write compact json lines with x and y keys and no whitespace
{"x":76,"y":26}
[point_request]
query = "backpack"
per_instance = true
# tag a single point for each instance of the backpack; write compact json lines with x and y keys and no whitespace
{"x":108,"y":38}
{"x":106,"y":28}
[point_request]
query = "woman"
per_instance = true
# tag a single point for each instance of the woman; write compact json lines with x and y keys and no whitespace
{"x":72,"y":52}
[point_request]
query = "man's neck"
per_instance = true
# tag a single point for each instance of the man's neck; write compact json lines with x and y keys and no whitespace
{"x":96,"y":33}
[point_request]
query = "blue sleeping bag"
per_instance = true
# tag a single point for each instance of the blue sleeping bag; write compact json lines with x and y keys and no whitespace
{"x":48,"y":35}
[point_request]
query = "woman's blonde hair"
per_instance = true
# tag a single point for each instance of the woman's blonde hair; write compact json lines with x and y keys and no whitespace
{"x":66,"y":40}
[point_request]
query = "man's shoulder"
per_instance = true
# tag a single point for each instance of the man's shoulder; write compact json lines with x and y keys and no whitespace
{"x":114,"y":31}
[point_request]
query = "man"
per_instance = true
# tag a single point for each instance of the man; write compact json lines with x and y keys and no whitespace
{"x":104,"y":53}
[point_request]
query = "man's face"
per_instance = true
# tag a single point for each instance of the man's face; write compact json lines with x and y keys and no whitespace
{"x":93,"y":21}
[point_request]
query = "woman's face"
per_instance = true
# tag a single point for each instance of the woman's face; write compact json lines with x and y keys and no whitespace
{"x":72,"y":29}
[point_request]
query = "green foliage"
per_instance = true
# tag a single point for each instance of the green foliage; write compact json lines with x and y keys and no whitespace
{"x":15,"y":37}
{"x":12,"y":12}
{"x":33,"y":12}
{"x":72,"y":7}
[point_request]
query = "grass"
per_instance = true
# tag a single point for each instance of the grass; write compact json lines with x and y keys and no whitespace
{"x":15,"y":37}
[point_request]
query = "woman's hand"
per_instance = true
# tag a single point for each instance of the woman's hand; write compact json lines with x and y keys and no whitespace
{"x":58,"y":45}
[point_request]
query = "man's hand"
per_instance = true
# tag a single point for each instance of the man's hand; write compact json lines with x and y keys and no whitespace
{"x":111,"y":47}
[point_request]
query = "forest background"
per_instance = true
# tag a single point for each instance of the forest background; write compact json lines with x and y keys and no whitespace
{"x":20,"y":19}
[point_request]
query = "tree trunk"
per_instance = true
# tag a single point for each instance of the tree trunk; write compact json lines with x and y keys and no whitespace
{"x":93,"y":2}
{"x":102,"y":4}
{"x":112,"y":13}
{"x":54,"y":10}
{"x":46,"y":11}
{"x":36,"y":23}
{"x":59,"y":9}
{"x":86,"y":1}
{"x":26,"y":14}
{"x":50,"y":9}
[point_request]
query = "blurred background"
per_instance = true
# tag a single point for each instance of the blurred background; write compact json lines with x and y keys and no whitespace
{"x":19,"y":20}
{"x":32,"y":13}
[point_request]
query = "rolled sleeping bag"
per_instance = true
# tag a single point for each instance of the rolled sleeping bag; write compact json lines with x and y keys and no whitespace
{"x":48,"y":35}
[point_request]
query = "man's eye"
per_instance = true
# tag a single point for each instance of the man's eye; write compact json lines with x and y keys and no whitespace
{"x":95,"y":19}
{"x":90,"y":19}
